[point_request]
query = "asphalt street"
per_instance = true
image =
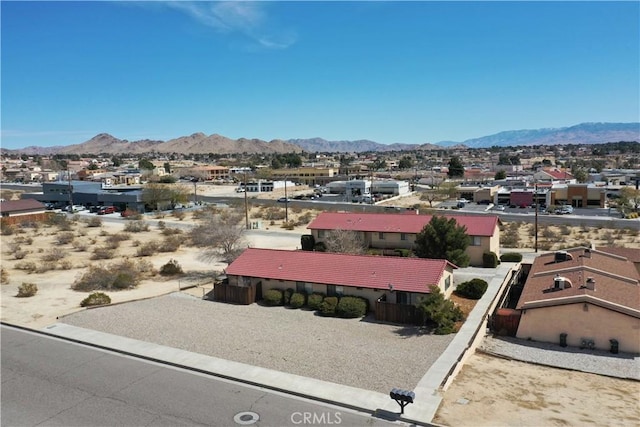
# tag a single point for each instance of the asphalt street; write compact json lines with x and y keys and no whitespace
{"x":49,"y":381}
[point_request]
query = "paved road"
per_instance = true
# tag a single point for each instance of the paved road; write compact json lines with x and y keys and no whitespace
{"x":48,"y":381}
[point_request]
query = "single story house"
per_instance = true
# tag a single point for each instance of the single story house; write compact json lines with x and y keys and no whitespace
{"x":394,"y":279}
{"x":398,"y":231}
{"x":582,"y":297}
{"x":16,"y":211}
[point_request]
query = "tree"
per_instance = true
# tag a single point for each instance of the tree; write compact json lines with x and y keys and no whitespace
{"x":500,"y":175}
{"x":443,"y":238}
{"x":164,"y":196}
{"x":146,"y":164}
{"x":405,"y":163}
{"x":92,"y":167}
{"x":379,"y":163}
{"x":116,"y":161}
{"x":580,"y":174}
{"x":456,"y":169}
{"x":220,"y":235}
{"x":167,"y":167}
{"x":441,"y":311}
{"x":630,"y":197}
{"x":345,"y":241}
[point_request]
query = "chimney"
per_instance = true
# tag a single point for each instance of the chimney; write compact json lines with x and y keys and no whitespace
{"x":587,"y":253}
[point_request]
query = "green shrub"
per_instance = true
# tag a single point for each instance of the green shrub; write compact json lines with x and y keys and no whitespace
{"x":403,"y":252}
{"x":351,"y":307}
{"x":328,"y":306}
{"x":314,"y":301}
{"x":320,"y":247}
{"x":511,"y":257}
{"x":273,"y":297}
{"x":307,"y":241}
{"x":441,"y":312}
{"x":297,"y":300}
{"x":27,"y":290}
{"x":473,"y":289}
{"x":171,"y":268}
{"x":489,"y":260}
{"x":286,"y":296}
{"x":96,"y":298}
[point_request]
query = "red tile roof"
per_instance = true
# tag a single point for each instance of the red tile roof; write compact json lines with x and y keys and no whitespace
{"x":558,"y":174}
{"x":477,"y":225}
{"x":616,"y":279}
{"x":21,"y":205}
{"x":365,"y":271}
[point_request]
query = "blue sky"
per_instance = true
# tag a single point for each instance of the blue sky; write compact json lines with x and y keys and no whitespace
{"x":409,"y":72}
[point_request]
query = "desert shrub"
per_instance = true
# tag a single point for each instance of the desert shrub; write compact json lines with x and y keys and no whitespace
{"x":545,"y":245}
{"x":314,"y":301}
{"x":53,"y":255}
{"x":549,"y":234}
{"x":171,"y":268}
{"x":6,"y":229}
{"x":4,"y":276}
{"x":20,"y":254}
{"x":79,"y":246}
{"x":170,"y":244}
{"x":136,"y":226}
{"x":273,"y":297}
{"x":305,"y":218}
{"x":510,"y":240}
{"x":64,"y":238}
{"x":286,"y":296}
{"x":288,"y":225}
{"x":27,"y":290}
{"x":23,"y":240}
{"x":511,"y":257}
{"x":565,"y":230}
{"x":118,"y":275}
{"x":351,"y":307}
{"x":43,"y":267}
{"x":28,"y":266}
{"x":94,"y":222}
{"x":102,"y":252}
{"x":328,"y":306}
{"x":61,"y":221}
{"x":473,"y":289}
{"x":489,"y":260}
{"x":96,"y":298}
{"x":179,"y":214}
{"x":169,"y":231}
{"x":297,"y":300}
{"x":307,"y":242}
{"x":161,"y":225}
{"x":147,"y":249}
{"x":65,"y":264}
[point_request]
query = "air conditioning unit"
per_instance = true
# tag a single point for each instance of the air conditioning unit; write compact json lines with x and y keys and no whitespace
{"x":587,"y":343}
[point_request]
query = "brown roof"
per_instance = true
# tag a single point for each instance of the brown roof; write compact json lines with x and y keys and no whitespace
{"x":632,"y":254}
{"x":24,"y":205}
{"x":616,"y":279}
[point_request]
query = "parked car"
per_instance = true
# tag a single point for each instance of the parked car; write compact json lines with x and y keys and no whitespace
{"x":284,"y":200}
{"x":240,"y":190}
{"x":107,"y":210}
{"x":498,"y":207}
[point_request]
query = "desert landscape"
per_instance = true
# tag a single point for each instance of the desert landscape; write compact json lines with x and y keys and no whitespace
{"x":488,"y":391}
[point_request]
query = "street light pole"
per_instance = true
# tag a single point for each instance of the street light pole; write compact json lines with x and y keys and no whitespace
{"x":536,"y":203}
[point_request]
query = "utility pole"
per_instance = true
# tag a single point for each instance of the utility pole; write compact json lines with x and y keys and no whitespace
{"x":536,"y":207}
{"x":70,"y":190}
{"x":286,"y":200}
{"x":246,"y":206}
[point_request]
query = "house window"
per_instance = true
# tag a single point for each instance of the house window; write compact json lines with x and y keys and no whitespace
{"x":447,"y":282}
{"x":403,"y":236}
{"x":320,"y":234}
{"x":476,"y":241}
{"x":335,"y":291}
{"x":381,"y":236}
{"x":403,"y":298}
{"x":299,"y":286}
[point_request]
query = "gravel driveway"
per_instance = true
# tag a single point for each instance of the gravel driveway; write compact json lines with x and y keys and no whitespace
{"x":359,"y":353}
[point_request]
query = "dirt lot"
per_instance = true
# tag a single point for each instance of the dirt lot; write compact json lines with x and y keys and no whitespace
{"x":498,"y":392}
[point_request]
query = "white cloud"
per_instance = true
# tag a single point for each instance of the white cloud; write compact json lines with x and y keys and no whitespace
{"x":238,"y":17}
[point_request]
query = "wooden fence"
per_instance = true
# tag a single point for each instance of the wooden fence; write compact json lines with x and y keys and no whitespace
{"x":399,"y":313}
{"x":19,"y":219}
{"x":224,"y":292}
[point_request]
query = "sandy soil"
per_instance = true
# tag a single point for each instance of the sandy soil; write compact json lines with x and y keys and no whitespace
{"x":489,"y":391}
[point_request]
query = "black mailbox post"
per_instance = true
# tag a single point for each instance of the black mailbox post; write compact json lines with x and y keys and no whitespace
{"x":402,"y":397}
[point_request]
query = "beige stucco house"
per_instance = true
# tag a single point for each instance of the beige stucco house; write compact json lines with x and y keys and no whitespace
{"x":592,"y":296}
{"x":398,"y":231}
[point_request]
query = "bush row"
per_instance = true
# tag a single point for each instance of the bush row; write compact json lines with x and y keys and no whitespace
{"x":346,"y":306}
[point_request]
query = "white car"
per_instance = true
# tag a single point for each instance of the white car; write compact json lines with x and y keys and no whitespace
{"x":240,"y":190}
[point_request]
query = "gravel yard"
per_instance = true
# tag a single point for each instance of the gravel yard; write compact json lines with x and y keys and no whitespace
{"x":354,"y":352}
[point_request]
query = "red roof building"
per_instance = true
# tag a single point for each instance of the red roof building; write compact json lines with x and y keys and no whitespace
{"x":592,"y":296}
{"x":334,"y":274}
{"x":398,"y":231}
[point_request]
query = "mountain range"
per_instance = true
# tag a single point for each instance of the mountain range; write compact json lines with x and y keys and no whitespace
{"x":199,"y":143}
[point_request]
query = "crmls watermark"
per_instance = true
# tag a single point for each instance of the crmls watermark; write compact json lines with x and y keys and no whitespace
{"x":316,"y":418}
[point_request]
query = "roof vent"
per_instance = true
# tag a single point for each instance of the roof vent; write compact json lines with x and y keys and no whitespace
{"x":590,"y":283}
